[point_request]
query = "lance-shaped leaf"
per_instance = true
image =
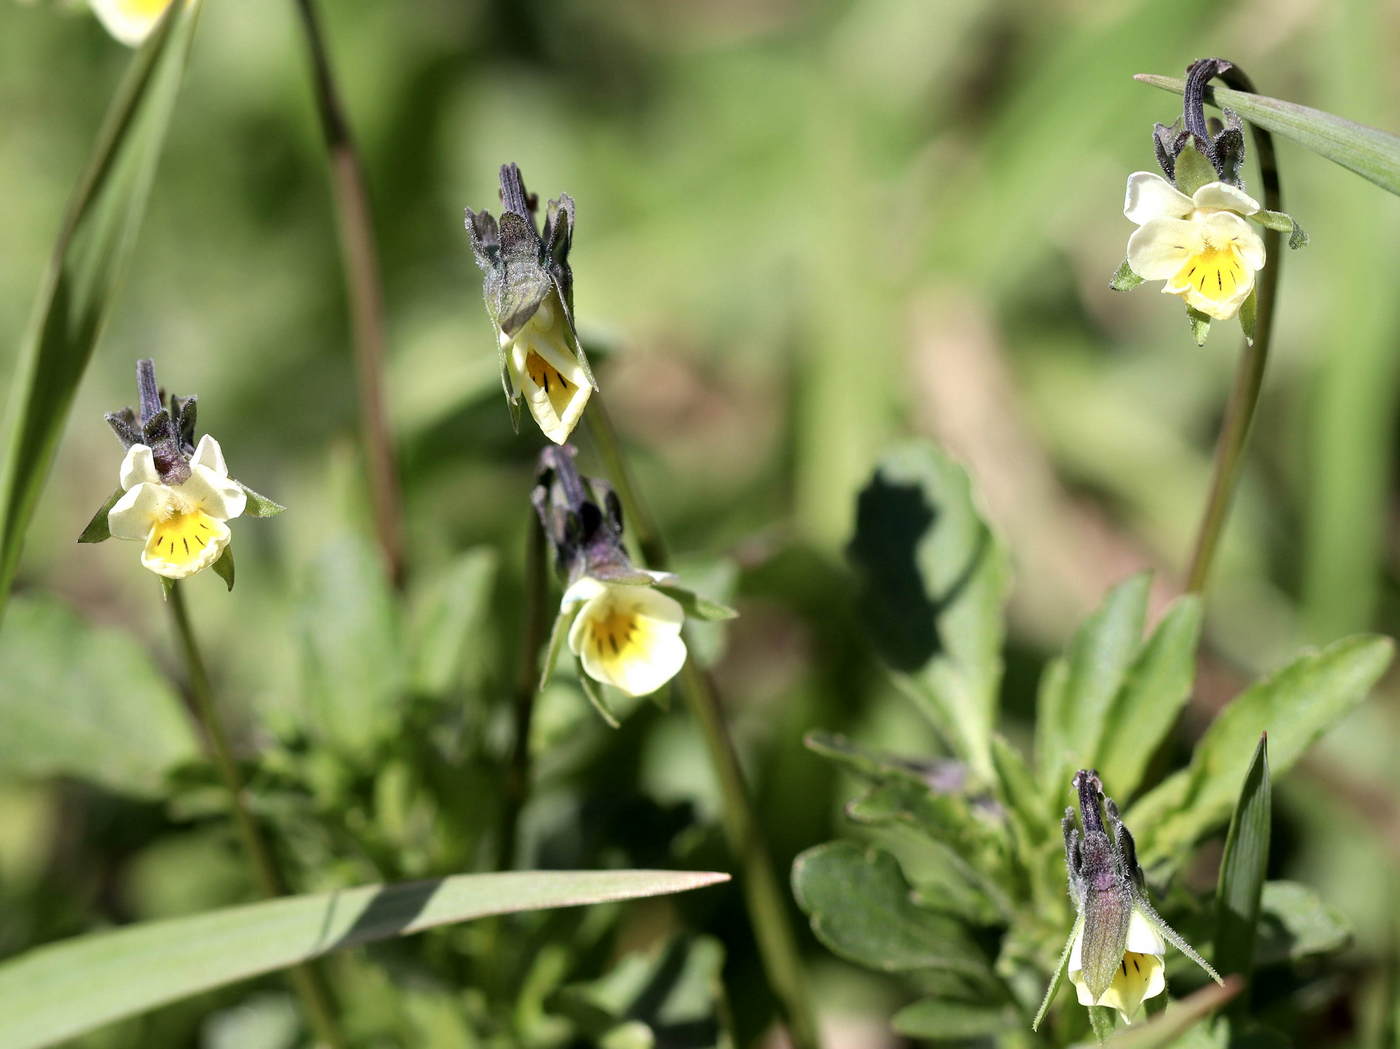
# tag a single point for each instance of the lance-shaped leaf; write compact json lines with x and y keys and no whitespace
{"x":1295,"y":706}
{"x":1371,"y":153}
{"x":935,"y":583}
{"x":98,"y":232}
{"x":1242,"y":870}
{"x":55,"y":992}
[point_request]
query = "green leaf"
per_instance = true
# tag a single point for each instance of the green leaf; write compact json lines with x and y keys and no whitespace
{"x":1200,"y":325}
{"x":1017,"y":788}
{"x":55,"y":992}
{"x":98,"y":232}
{"x":1249,"y":315}
{"x":1243,"y":868}
{"x":1078,"y":687}
{"x":650,"y":997}
{"x":935,"y":582}
{"x":945,"y":1019}
{"x":1371,"y":153}
{"x":1193,"y":170}
{"x":1294,"y":923}
{"x":1294,"y":705}
{"x":594,"y":692}
{"x":1179,"y":1017}
{"x":558,"y":634}
{"x":1059,"y":974}
{"x":1284,"y":223}
{"x":354,"y":667}
{"x":223,"y":567}
{"x":1154,"y":689}
{"x":860,"y":906}
{"x":259,"y":505}
{"x":697,"y":607}
{"x":1124,"y":279}
{"x":83,"y":701}
{"x":451,"y":620}
{"x":97,"y":530}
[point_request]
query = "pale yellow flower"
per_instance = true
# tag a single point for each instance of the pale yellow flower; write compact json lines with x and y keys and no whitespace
{"x":626,"y":635}
{"x":130,"y":21}
{"x":181,"y":525}
{"x":542,"y":364}
{"x":1200,"y":245}
{"x":1141,"y":972}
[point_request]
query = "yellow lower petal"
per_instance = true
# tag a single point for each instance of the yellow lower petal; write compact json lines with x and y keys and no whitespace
{"x":1216,"y":274}
{"x":184,"y":543}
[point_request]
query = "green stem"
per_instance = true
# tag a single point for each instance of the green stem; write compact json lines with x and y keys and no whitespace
{"x":517,"y":786}
{"x":307,"y":979}
{"x":763,"y":894}
{"x":1249,"y":376}
{"x":360,"y":260}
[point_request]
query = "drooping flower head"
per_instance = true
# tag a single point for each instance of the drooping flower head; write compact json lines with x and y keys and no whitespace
{"x":1116,"y":949}
{"x":1193,"y":232}
{"x":529,"y":294}
{"x":130,"y":21}
{"x":176,"y":497}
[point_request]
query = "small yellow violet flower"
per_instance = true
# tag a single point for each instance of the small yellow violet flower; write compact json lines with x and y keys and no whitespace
{"x":1200,"y":246}
{"x":626,"y":635}
{"x":175,"y":497}
{"x":1115,"y":954}
{"x":528,"y":288}
{"x":182,"y":525}
{"x":130,"y":21}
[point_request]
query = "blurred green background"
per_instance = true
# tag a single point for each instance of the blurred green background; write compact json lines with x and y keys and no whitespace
{"x":803,"y":230}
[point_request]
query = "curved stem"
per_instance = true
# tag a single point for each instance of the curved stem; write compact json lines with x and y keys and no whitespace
{"x":307,"y":979}
{"x":360,"y":259}
{"x":763,"y":894}
{"x":1249,"y":376}
{"x":517,"y":786}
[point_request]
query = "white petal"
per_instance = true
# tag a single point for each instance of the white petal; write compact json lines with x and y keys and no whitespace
{"x":138,"y":467}
{"x":136,"y":511}
{"x":209,"y":454}
{"x":1158,"y":249}
{"x":1076,"y":953}
{"x":1225,"y":196}
{"x":218,"y":496}
{"x":664,"y":658}
{"x":581,"y":590}
{"x":1143,"y":937}
{"x":130,"y":21}
{"x":1223,"y":227}
{"x":1150,"y":196}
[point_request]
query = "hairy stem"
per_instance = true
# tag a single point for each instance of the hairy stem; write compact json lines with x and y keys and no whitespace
{"x":1249,"y":376}
{"x":763,"y":894}
{"x":307,"y":979}
{"x":360,"y":260}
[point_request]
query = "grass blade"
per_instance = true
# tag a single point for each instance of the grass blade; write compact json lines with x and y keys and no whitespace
{"x":98,"y":232}
{"x":55,"y":992}
{"x":1242,"y":870}
{"x":1371,"y":153}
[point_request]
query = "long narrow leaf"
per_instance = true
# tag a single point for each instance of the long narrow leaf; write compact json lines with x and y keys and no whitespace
{"x":98,"y":232}
{"x":1371,"y":153}
{"x":61,"y":990}
{"x":1243,"y":869}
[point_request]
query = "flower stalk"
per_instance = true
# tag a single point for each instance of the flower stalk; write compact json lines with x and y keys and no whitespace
{"x":360,"y":259}
{"x":1249,"y":375}
{"x":307,"y":979}
{"x":536,"y":623}
{"x":765,"y":900}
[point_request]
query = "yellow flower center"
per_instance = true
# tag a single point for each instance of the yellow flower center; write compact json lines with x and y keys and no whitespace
{"x":617,"y":635}
{"x":548,"y":378}
{"x":1216,"y":273}
{"x":143,"y":8}
{"x":179,"y":538}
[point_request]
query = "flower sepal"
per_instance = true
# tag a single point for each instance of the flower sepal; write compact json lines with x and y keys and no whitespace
{"x":1124,"y":279}
{"x":97,"y":530}
{"x":1200,"y":324}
